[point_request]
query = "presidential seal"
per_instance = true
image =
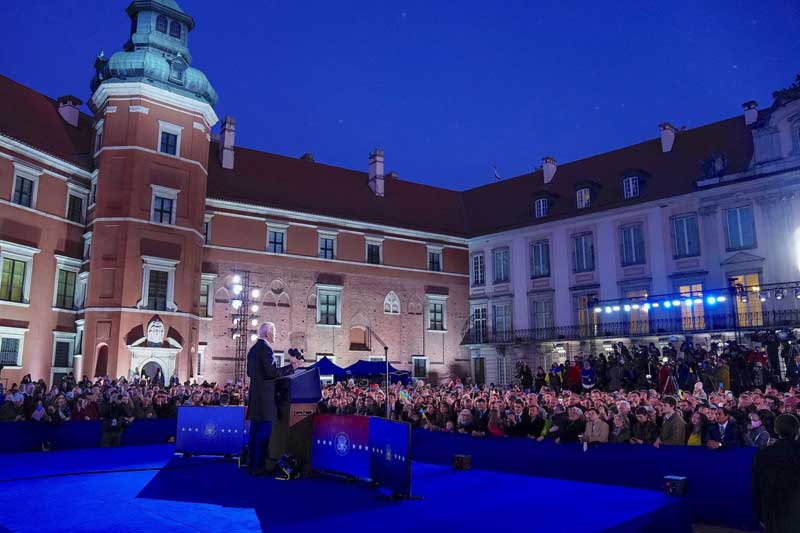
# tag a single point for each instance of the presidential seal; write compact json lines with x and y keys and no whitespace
{"x":342,"y":443}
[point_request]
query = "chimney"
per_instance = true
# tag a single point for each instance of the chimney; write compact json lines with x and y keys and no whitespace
{"x":548,"y":168}
{"x":69,"y":109}
{"x":226,"y":139}
{"x":393,"y":175}
{"x":750,"y":112}
{"x":668,"y":132}
{"x":376,"y":171}
{"x":308,"y":156}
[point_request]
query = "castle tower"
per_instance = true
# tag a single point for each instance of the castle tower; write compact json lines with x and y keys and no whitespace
{"x":153,"y":112}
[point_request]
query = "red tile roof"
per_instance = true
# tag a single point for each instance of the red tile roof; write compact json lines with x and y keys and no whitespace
{"x":32,"y":118}
{"x":294,"y":184}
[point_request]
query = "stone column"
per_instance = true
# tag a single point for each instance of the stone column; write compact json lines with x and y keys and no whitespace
{"x":77,"y":366}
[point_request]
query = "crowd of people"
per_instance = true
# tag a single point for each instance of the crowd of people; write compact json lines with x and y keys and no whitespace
{"x":721,"y":396}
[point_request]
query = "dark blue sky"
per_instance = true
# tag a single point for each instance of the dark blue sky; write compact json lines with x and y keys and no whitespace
{"x":448,"y":89}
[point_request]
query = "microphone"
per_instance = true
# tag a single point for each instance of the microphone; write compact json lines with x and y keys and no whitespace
{"x":297,"y":354}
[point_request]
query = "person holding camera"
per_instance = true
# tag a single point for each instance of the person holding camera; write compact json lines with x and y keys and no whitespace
{"x":116,"y":417}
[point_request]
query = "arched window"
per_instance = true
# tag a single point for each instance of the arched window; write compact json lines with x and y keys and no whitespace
{"x":175,"y":29}
{"x":391,"y":304}
{"x":161,"y":24}
{"x":101,"y":365}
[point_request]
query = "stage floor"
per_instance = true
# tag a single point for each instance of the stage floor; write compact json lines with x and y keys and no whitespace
{"x":148,"y":488}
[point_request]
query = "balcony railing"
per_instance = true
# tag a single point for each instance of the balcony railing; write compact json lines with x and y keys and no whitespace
{"x":706,"y":323}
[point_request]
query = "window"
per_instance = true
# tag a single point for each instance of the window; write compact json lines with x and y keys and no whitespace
{"x":741,"y":231}
{"x":157,"y":290}
{"x":161,"y":24}
{"x":583,"y":252}
{"x":169,"y":138}
{"x":501,"y":319}
{"x":437,"y":309}
{"x":327,"y":246}
{"x":62,"y":358}
{"x":276,"y":240}
{"x":75,"y":208}
{"x":541,"y":313}
{"x":201,"y":359}
{"x":632,"y":246}
{"x":175,"y":29}
{"x":692,"y":315}
{"x":329,"y":305}
{"x":206,"y":290}
{"x":749,"y":308}
{"x":583,"y":198}
{"x":630,"y":187}
{"x":541,"y":207}
{"x":373,"y":253}
{"x":65,"y":289}
{"x":158,"y":284}
{"x":11,"y":341}
{"x":62,"y":354}
{"x":584,"y":312}
{"x":98,"y":135}
{"x":540,"y":259}
{"x":479,"y":324}
{"x":207,"y":229}
{"x":685,"y":236}
{"x":391,"y":304}
{"x":163,"y":205}
{"x":478,"y":270}
{"x":419,"y":365}
{"x":87,"y":245}
{"x":12,"y":281}
{"x":434,"y":259}
{"x":501,"y":265}
{"x":23,"y":191}
{"x":93,"y":192}
{"x":638,"y":318}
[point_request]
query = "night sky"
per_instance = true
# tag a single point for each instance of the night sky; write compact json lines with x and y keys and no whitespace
{"x":448,"y":89}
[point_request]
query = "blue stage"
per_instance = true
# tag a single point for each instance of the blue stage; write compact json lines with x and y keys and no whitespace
{"x":148,"y":488}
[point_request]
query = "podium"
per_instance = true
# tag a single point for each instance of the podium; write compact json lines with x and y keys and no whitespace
{"x":296,"y":398}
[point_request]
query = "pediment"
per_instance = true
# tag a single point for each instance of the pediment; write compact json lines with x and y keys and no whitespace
{"x":742,"y":257}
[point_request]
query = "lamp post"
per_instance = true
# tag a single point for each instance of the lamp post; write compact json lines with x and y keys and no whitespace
{"x":386,"y":361}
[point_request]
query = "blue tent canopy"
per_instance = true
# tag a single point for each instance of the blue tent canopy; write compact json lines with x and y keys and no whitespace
{"x":363,"y":369}
{"x":329,"y":368}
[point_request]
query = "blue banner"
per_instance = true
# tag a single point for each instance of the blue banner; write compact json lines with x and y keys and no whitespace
{"x":390,"y":455}
{"x":206,"y":430}
{"x":341,"y":444}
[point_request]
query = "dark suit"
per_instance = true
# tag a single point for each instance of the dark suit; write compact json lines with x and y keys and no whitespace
{"x":261,"y":370}
{"x":733,"y":434}
{"x":523,"y":428}
{"x":776,"y":486}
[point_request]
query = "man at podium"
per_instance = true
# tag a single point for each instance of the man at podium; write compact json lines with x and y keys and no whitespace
{"x":262,"y":371}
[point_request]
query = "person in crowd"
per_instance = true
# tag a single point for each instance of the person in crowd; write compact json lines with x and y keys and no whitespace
{"x":775,"y":479}
{"x":621,"y":431}
{"x":697,"y":429}
{"x":519,"y":422}
{"x":673,"y":427}
{"x":596,"y":428}
{"x":756,"y":435}
{"x":588,"y":377}
{"x":724,"y":431}
{"x":643,"y":431}
{"x":574,"y":427}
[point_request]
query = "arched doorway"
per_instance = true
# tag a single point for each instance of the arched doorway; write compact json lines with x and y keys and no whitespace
{"x":101,"y":367}
{"x":153,"y":371}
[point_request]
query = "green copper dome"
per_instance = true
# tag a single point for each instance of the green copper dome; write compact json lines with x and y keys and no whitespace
{"x":157,"y":52}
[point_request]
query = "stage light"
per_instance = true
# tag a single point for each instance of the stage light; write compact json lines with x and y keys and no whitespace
{"x":779,"y":293}
{"x":676,"y":303}
{"x":254,"y":308}
{"x":698,"y":300}
{"x":236,"y":335}
{"x":711,"y":300}
{"x":646,"y":307}
{"x":616,"y":307}
{"x":743,"y":298}
{"x":721,"y":299}
{"x":608,"y":309}
{"x":763,"y":296}
{"x":237,"y":289}
{"x":598,"y":309}
{"x":688,"y":301}
{"x":254,"y":322}
{"x":253,"y":337}
{"x":665,"y":360}
{"x":237,"y":278}
{"x":797,"y":293}
{"x":627,"y":308}
{"x":255,"y":293}
{"x":656,"y":304}
{"x":635,"y":306}
{"x":235,"y":321}
{"x":236,"y":304}
{"x":667,"y":304}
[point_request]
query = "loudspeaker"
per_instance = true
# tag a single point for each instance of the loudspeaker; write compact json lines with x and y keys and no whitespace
{"x":675,"y":486}
{"x":462,"y":462}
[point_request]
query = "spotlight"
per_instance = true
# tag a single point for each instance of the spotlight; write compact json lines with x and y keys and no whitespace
{"x":254,"y":337}
{"x":763,"y":296}
{"x":667,"y":304}
{"x":665,"y":360}
{"x":656,"y":304}
{"x":797,"y":293}
{"x":254,"y":308}
{"x":698,"y":300}
{"x":779,"y":293}
{"x":237,"y":289}
{"x":646,"y":307}
{"x":711,"y":300}
{"x":254,"y":322}
{"x":688,"y":301}
{"x":627,"y":308}
{"x":237,"y":278}
{"x":608,"y":309}
{"x":236,"y":335}
{"x":598,"y":309}
{"x":235,"y":321}
{"x":635,"y":306}
{"x":676,"y":303}
{"x":743,"y":298}
{"x":616,"y":307}
{"x":236,"y":304}
{"x":721,"y":299}
{"x":255,"y":293}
